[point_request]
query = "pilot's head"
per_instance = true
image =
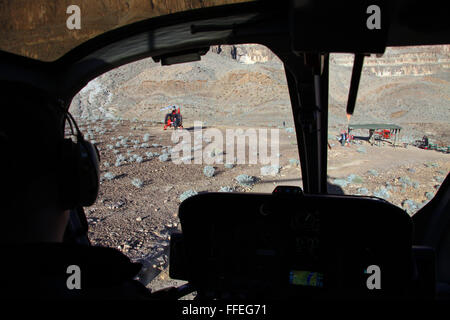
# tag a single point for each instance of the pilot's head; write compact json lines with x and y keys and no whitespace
{"x":30,"y":139}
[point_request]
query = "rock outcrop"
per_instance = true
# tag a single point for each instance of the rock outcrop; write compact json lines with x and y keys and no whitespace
{"x":249,"y":53}
{"x":407,"y":86}
{"x":403,"y":61}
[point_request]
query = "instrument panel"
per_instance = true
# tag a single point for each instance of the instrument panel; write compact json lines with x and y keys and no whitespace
{"x":281,"y":246}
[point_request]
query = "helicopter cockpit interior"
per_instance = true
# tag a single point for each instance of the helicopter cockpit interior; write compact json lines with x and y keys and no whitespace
{"x":292,"y":243}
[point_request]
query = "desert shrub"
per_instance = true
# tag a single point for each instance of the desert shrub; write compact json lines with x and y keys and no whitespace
{"x":340,"y":182}
{"x":410,"y":206}
{"x":246,"y":180}
{"x":137,"y":183}
{"x":382,"y":193}
{"x":109,"y":176}
{"x":209,"y":171}
{"x":405,"y":180}
{"x":353,"y":178}
{"x":362,"y":191}
{"x":226,"y":189}
{"x":438,"y":179}
{"x":164,"y":157}
{"x":187,"y":194}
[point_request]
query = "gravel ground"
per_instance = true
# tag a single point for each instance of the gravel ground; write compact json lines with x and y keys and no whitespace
{"x":136,"y":210}
{"x":138,"y":218}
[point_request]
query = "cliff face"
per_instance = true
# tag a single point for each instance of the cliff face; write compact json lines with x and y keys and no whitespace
{"x":215,"y":86}
{"x":407,"y":86}
{"x":403,"y":61}
{"x":248,"y":54}
{"x":395,"y":62}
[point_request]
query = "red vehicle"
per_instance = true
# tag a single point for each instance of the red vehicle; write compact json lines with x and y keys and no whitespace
{"x":173,"y":119}
{"x":383,"y":134}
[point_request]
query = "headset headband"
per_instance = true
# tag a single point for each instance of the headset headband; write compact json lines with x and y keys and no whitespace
{"x":72,"y":123}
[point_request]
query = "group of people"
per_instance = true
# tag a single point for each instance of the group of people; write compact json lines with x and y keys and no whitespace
{"x":345,"y":138}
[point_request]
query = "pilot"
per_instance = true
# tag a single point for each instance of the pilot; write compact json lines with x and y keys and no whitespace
{"x":175,"y":118}
{"x":36,"y":263}
{"x":425,"y":141}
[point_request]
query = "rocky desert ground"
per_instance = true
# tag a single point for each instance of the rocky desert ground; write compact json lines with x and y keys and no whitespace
{"x":141,"y":188}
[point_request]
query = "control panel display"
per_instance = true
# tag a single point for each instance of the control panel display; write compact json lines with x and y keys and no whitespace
{"x":306,"y":278}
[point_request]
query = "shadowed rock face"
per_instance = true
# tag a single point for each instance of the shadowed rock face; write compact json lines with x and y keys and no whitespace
{"x":37,"y":29}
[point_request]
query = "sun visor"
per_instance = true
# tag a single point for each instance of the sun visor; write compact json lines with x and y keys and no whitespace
{"x":181,"y":57}
{"x":339,"y":26}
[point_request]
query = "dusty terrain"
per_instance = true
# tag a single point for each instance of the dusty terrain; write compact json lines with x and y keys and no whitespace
{"x":139,"y":196}
{"x":407,"y":86}
{"x":138,"y":219}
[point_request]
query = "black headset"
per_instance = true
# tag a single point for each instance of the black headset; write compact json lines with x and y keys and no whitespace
{"x":78,"y":166}
{"x":79,"y":183}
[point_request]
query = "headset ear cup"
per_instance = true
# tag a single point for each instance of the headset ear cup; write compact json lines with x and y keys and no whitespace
{"x":88,"y":173}
{"x":69,"y":184}
{"x":81,"y":173}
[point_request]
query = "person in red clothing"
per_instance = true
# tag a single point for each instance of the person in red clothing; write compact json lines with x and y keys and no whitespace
{"x":173,"y":119}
